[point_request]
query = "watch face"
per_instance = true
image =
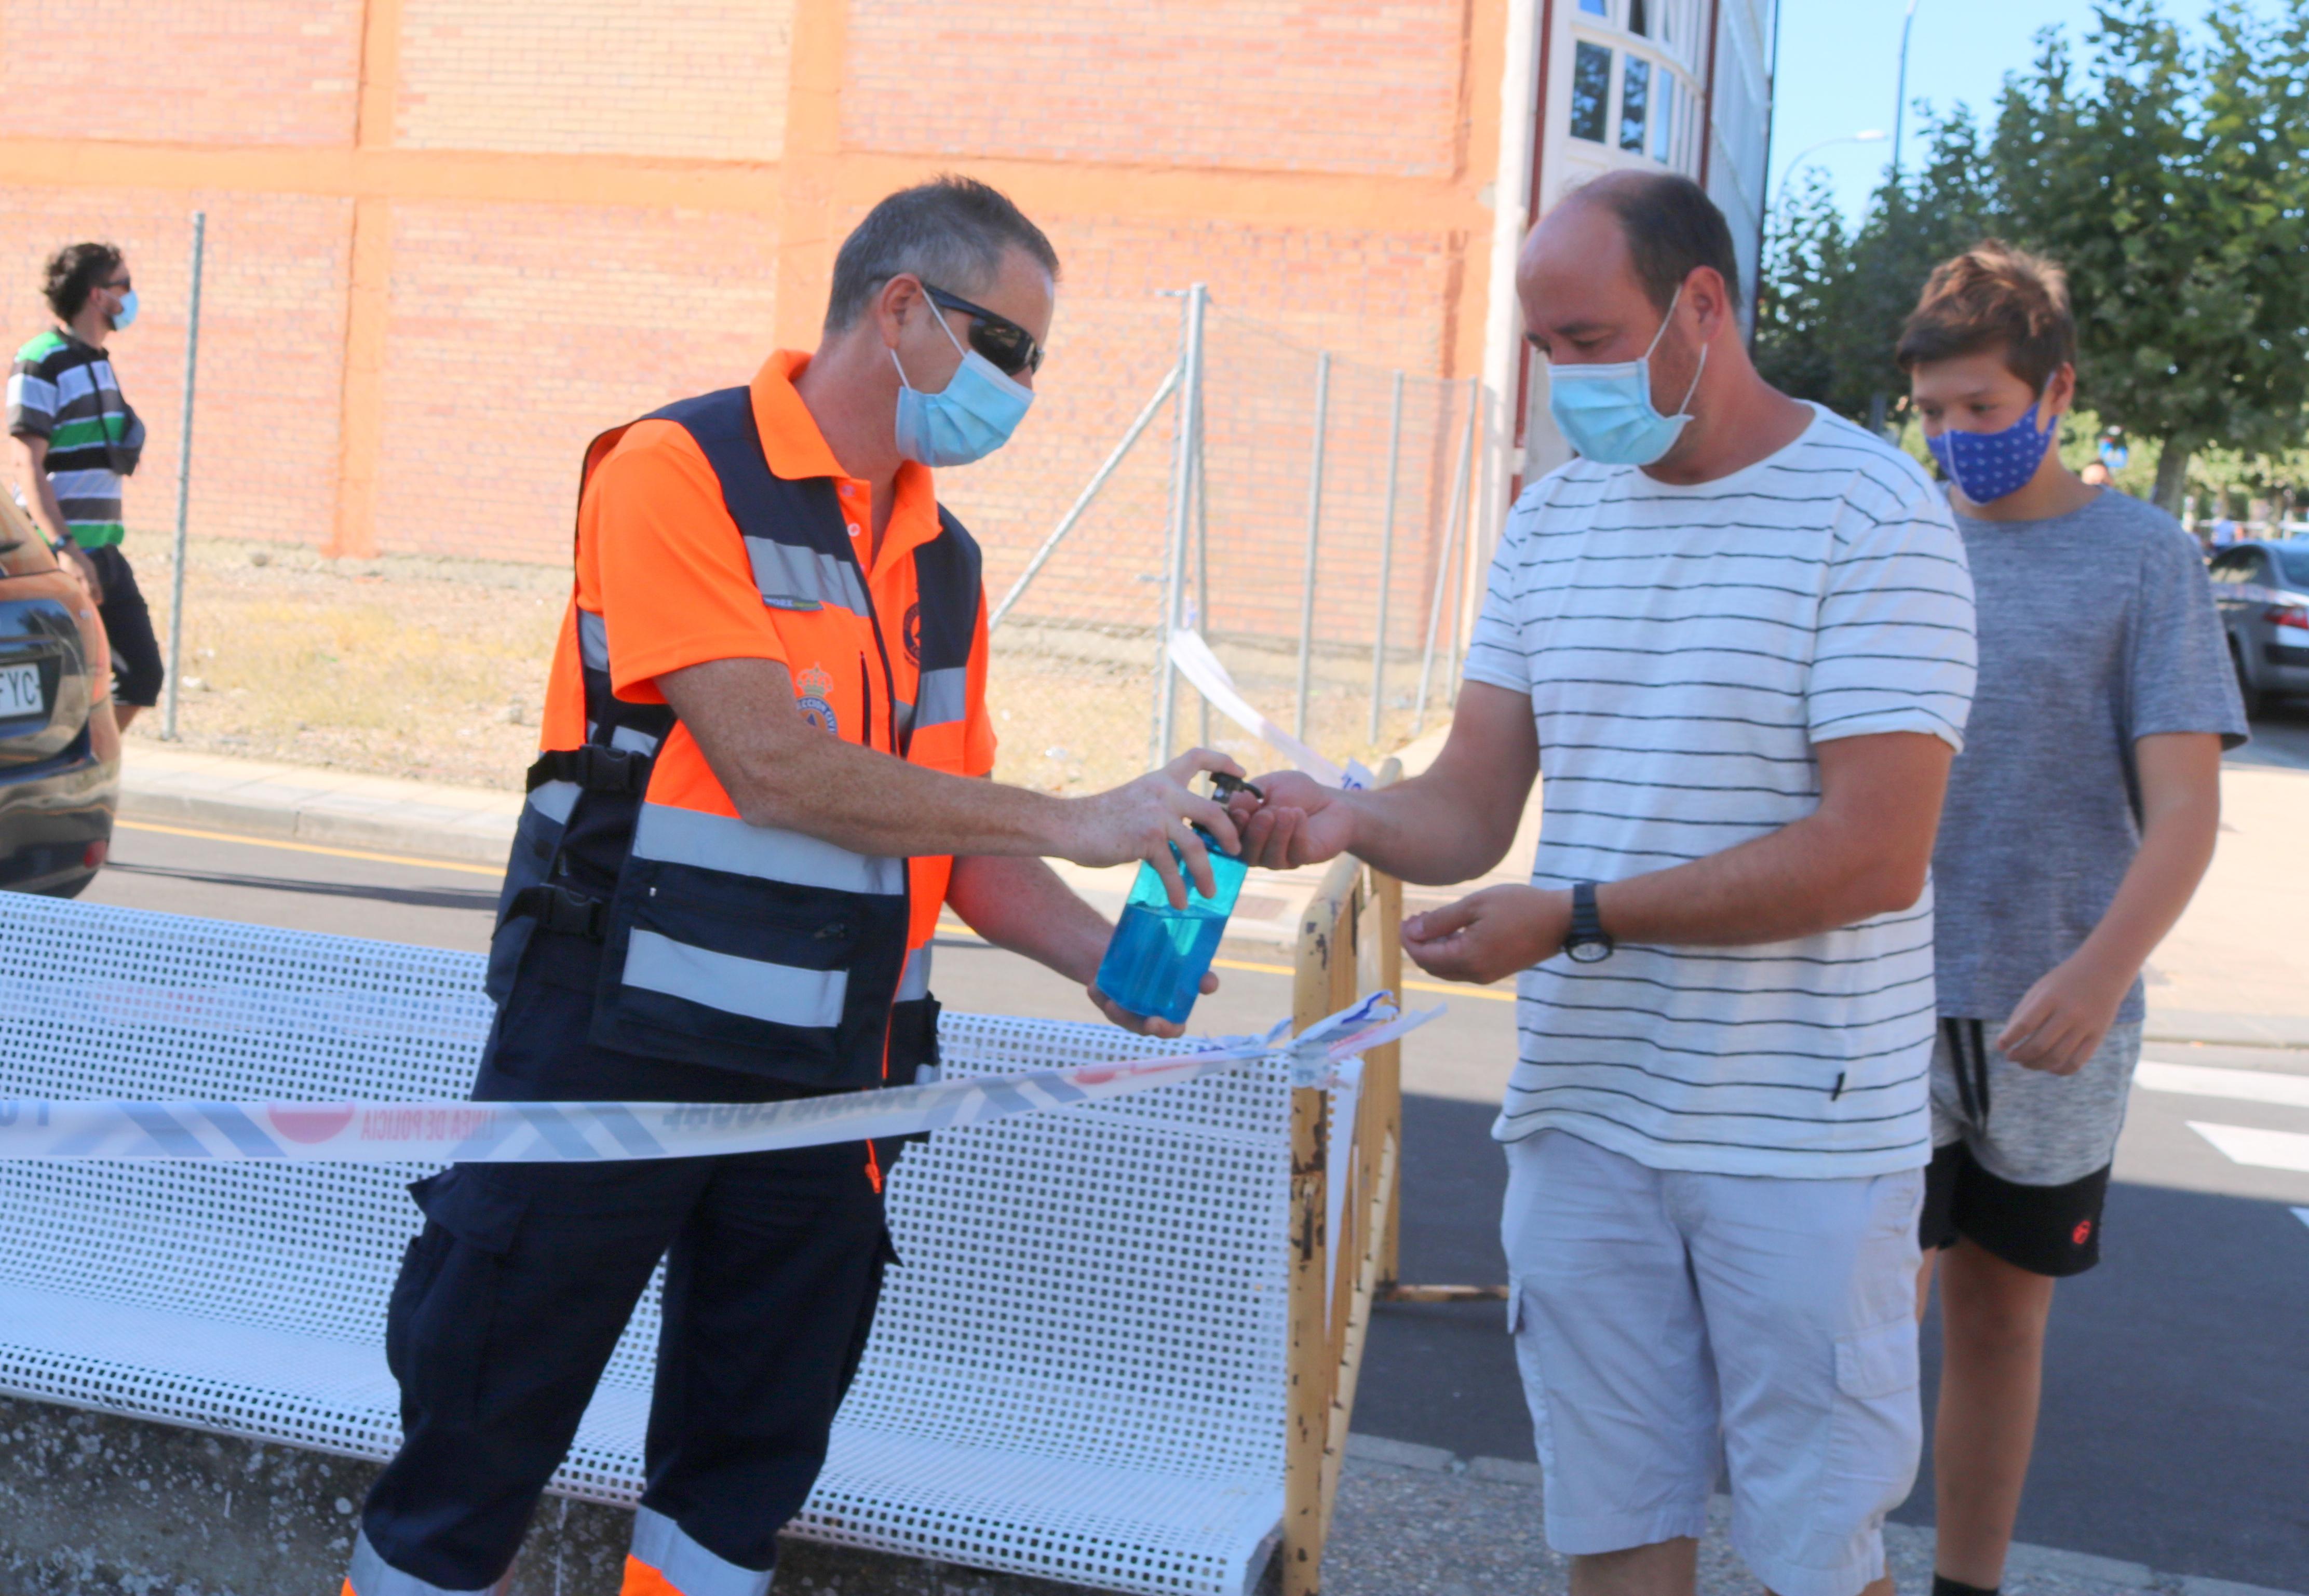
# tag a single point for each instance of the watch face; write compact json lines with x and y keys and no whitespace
{"x":1588,"y":953}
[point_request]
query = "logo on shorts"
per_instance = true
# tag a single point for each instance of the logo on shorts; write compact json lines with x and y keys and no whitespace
{"x":816,"y":685}
{"x":2082,"y":1233}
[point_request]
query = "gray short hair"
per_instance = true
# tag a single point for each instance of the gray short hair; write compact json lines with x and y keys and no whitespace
{"x":951,"y":231}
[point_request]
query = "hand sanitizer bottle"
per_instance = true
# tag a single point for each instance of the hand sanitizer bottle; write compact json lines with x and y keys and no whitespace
{"x":1159,"y":956}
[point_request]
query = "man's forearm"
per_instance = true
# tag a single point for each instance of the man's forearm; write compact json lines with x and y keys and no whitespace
{"x":1424,"y":831}
{"x":1865,"y":851}
{"x":1020,"y":906}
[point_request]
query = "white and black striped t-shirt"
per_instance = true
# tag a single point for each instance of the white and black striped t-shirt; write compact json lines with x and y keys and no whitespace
{"x":1685,"y":648}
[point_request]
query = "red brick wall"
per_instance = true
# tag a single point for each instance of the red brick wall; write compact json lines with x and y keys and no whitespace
{"x":595,"y":77}
{"x":519,"y":331}
{"x":1367,"y":86}
{"x":229,"y":71}
{"x":273,"y":318}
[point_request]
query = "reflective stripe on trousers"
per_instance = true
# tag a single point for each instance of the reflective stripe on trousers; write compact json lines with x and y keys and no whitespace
{"x":371,"y":1575}
{"x":665,"y":1562}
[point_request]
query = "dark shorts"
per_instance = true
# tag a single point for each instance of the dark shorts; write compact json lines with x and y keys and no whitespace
{"x":2046,"y":1229}
{"x":136,"y":670}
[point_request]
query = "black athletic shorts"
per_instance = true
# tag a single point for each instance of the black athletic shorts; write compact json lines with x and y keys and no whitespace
{"x":136,"y":667}
{"x":2046,"y":1229}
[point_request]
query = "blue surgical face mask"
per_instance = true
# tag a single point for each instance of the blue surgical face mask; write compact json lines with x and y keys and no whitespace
{"x":127,"y":314}
{"x":1988,"y":465}
{"x":1606,"y":410}
{"x":973,"y":416}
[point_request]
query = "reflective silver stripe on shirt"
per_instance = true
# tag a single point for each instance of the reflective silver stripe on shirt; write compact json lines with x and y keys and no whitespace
{"x":916,"y":982}
{"x":943,"y":696}
{"x":555,"y":800}
{"x":688,"y":1568}
{"x":780,"y":993}
{"x":718,"y":843}
{"x":593,"y":639}
{"x":633,"y":741}
{"x":371,"y":1575}
{"x":792,"y":578}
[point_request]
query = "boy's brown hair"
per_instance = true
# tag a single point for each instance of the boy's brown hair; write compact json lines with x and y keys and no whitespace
{"x":1993,"y":297}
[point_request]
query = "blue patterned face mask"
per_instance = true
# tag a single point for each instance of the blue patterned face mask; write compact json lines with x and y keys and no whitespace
{"x":1988,"y":465}
{"x":972,"y":417}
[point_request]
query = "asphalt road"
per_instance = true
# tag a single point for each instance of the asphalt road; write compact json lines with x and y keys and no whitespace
{"x":2178,"y":1374}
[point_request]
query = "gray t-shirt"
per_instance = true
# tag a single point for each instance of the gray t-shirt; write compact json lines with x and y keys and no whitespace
{"x":2095,"y":629}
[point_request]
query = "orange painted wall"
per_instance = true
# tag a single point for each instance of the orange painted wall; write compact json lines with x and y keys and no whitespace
{"x":450,"y":240}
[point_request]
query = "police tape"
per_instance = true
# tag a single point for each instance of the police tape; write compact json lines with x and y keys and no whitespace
{"x":1198,"y":665}
{"x":354,"y":1132}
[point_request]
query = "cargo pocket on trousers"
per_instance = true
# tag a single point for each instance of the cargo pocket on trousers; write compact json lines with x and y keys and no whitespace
{"x":444,"y":1304}
{"x":1877,"y":1431}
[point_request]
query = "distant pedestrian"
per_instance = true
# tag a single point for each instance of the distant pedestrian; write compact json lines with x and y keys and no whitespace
{"x":74,"y":437}
{"x":2096,"y":475}
{"x":1737,"y":634}
{"x":2080,"y":818}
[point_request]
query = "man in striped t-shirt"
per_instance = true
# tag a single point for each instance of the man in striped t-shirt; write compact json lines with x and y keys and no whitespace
{"x":1737,"y":638}
{"x":73,"y":438}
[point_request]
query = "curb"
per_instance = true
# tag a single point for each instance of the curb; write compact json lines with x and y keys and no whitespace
{"x":482,"y":840}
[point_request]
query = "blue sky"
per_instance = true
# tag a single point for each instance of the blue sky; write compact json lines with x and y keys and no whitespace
{"x":1840,"y":61}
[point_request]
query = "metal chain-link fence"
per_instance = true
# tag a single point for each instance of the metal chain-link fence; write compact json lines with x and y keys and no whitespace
{"x":1307,"y":515}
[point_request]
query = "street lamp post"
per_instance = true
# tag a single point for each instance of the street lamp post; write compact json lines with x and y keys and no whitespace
{"x":1865,"y":136}
{"x":1900,"y":95}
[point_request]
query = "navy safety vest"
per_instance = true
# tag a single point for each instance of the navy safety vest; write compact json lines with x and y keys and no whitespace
{"x":733,"y":946}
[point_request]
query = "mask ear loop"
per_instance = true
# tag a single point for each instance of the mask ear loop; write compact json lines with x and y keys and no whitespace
{"x":1683,"y":406}
{"x":939,"y":316}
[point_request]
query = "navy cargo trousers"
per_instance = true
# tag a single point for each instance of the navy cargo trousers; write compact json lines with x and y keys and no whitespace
{"x":511,"y":1300}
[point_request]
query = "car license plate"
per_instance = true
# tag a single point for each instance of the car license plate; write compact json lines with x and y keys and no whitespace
{"x":20,"y":692}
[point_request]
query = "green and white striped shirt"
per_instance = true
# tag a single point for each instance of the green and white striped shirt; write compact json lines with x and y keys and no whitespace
{"x":63,"y":390}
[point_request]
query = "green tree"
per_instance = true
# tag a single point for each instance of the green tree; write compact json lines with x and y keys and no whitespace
{"x":1831,"y":303}
{"x":2176,"y":192}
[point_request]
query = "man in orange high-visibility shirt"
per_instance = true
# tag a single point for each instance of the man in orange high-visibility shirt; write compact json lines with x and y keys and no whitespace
{"x":759,"y":781}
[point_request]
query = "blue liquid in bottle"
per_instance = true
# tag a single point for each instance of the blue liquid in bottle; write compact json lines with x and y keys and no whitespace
{"x":1155,"y":963}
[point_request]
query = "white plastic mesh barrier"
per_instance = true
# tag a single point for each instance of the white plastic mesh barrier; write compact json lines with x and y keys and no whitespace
{"x":1077,"y":1374}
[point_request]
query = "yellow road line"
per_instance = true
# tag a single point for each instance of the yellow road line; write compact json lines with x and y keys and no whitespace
{"x":340,"y":853}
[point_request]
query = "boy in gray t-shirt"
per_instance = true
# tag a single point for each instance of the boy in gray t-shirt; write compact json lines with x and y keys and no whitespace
{"x":2079,"y":820}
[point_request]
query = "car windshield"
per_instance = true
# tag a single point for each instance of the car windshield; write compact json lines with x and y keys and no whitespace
{"x":2292,"y":565}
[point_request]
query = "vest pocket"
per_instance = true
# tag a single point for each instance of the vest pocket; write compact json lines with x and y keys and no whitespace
{"x":771,"y":978}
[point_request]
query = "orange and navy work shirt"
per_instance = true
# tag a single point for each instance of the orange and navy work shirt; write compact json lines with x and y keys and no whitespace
{"x":722,"y":528}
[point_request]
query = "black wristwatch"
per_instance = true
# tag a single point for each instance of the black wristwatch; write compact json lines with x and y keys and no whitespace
{"x":1588,"y":943}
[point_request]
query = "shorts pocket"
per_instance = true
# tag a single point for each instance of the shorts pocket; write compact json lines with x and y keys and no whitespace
{"x":1877,"y":1431}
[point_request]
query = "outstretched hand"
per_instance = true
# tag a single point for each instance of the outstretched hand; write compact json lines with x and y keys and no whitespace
{"x":1489,"y":935}
{"x":1302,"y":822}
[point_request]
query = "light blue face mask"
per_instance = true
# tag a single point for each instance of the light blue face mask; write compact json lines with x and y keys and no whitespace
{"x":1606,"y":410}
{"x":973,"y":416}
{"x":127,"y":314}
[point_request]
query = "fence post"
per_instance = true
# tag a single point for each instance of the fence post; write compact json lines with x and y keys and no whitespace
{"x":1452,"y":532}
{"x":1387,"y":552}
{"x":183,"y":476}
{"x":1182,"y":485}
{"x":1091,"y":489}
{"x":1314,"y":535}
{"x":1202,"y":551}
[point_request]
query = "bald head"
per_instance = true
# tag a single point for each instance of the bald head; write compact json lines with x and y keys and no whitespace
{"x":1668,"y":225}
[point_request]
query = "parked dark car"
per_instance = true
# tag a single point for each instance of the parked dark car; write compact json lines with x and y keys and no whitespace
{"x":2263,"y":590}
{"x":59,"y":745}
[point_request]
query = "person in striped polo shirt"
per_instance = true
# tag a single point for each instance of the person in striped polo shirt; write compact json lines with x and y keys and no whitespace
{"x":1736,"y":637}
{"x":72,"y":438}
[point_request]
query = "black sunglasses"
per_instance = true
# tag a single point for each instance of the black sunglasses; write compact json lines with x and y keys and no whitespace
{"x":1011,"y":348}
